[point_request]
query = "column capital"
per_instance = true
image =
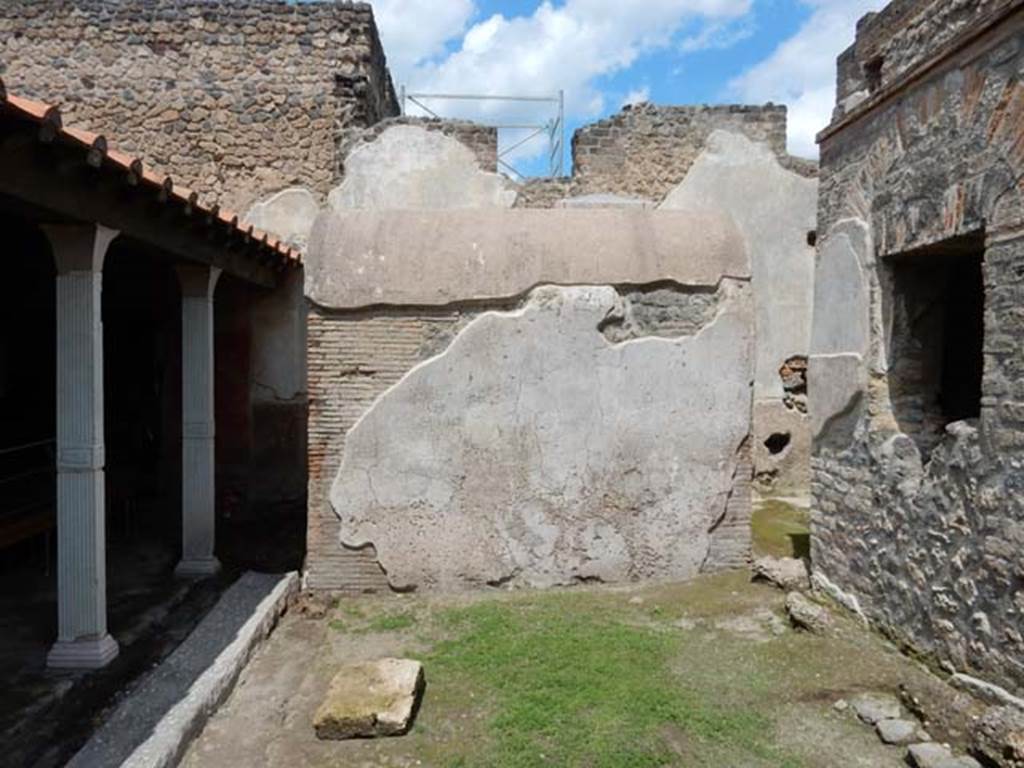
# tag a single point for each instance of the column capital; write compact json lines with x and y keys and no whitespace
{"x":79,"y":247}
{"x":197,"y":280}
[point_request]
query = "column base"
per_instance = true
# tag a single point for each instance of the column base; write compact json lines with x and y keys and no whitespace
{"x":197,"y":569}
{"x":84,"y":653}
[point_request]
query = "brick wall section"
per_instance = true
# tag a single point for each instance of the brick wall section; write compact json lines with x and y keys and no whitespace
{"x":934,"y":553}
{"x":481,"y":139}
{"x":730,"y":541}
{"x":354,"y":357}
{"x":235,"y":98}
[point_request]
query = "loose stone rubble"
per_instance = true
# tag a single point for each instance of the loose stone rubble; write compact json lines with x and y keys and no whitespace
{"x":807,"y":614}
{"x":784,"y":572}
{"x":999,"y":736}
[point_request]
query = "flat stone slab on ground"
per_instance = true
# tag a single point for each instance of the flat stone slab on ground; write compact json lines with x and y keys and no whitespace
{"x":375,"y":698}
{"x":872,"y":707}
{"x":895,"y":731}
{"x":929,"y":755}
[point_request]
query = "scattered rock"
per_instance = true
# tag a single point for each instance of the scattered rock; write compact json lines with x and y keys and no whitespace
{"x":376,"y":698}
{"x":312,"y":605}
{"x":784,"y":572}
{"x":998,"y":735}
{"x":985,"y":691}
{"x":841,"y":706}
{"x":777,"y":625}
{"x":636,"y":600}
{"x":895,"y":731}
{"x":929,"y":755}
{"x":685,"y":624}
{"x":806,"y":614}
{"x":873,"y":707}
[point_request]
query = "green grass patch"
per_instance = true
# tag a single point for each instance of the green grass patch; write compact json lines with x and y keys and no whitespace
{"x":395,"y":622}
{"x":780,"y":529}
{"x":337,"y":624}
{"x":569,"y":684}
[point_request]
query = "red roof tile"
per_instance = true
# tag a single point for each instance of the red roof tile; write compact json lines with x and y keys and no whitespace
{"x":49,"y":115}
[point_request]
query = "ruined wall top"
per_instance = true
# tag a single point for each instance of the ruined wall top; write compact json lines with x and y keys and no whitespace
{"x":240,"y":97}
{"x":646,"y":150}
{"x":481,"y":139}
{"x":902,"y":36}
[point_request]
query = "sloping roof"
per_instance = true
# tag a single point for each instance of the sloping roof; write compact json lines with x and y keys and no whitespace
{"x":102,"y":157}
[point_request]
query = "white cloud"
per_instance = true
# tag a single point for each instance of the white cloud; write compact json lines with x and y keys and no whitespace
{"x":801,"y":72}
{"x":415,"y":31}
{"x":637,"y":96}
{"x":442,"y":46}
{"x":566,"y":46}
{"x":719,"y":36}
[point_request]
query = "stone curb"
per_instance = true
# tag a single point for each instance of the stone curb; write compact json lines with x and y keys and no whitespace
{"x":154,"y":725}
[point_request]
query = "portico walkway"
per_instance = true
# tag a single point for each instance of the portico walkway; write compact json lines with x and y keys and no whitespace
{"x":85,"y":197}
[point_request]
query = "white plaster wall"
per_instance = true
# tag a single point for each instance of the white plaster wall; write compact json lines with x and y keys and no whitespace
{"x":534,"y":451}
{"x":774,"y":209}
{"x":288,"y":215}
{"x":278,"y":365}
{"x":840,"y":348}
{"x":408,"y":166}
{"x":420,"y":258}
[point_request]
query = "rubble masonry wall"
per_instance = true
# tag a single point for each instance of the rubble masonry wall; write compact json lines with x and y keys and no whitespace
{"x":926,"y":537}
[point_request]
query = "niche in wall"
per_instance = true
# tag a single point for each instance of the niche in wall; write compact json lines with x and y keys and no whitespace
{"x":937,"y":337}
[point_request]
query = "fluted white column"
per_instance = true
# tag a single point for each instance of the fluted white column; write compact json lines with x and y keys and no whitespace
{"x":197,"y":459}
{"x":83,"y":641}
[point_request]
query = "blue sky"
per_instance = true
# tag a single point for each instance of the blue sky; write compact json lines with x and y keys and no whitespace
{"x":603,"y":53}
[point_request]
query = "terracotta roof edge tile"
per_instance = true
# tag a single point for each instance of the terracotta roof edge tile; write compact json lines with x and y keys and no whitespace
{"x":48,"y":116}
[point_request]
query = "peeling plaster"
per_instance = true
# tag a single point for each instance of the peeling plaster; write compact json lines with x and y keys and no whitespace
{"x":533,"y":451}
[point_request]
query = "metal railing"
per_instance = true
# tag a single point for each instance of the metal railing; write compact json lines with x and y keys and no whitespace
{"x":553,"y":129}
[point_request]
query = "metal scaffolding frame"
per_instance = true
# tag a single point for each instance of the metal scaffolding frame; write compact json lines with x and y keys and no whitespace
{"x":553,"y":129}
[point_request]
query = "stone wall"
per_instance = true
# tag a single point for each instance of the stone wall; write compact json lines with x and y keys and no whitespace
{"x":234,"y":98}
{"x":918,"y":523}
{"x":904,"y":35}
{"x":646,"y":150}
